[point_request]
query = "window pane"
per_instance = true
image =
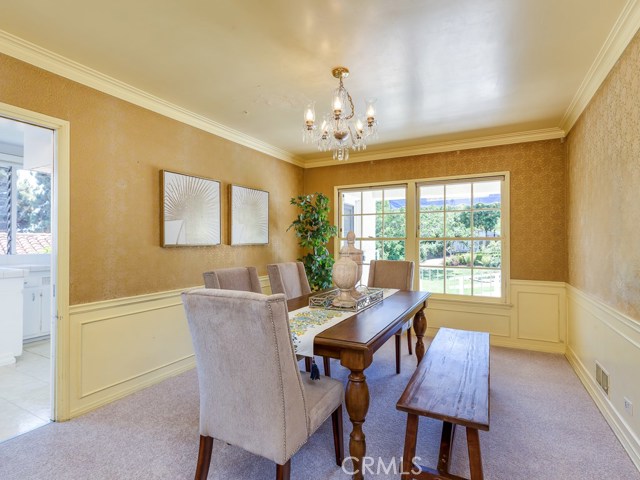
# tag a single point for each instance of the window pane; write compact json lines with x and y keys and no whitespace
{"x":486,"y":223}
{"x":395,"y":226}
{"x":351,"y":203}
{"x":458,"y":281}
{"x":432,"y":225}
{"x":431,"y":197}
{"x":432,"y":280}
{"x":371,"y":201}
{"x":395,"y":200}
{"x":457,"y":253}
{"x":393,"y":250}
{"x":365,"y":274}
{"x":369,"y":249}
{"x":369,"y":225}
{"x":379,"y":226}
{"x":351,"y":224}
{"x":432,"y":253}
{"x":458,"y":196}
{"x":487,"y":253}
{"x":487,"y":283}
{"x":458,"y":224}
{"x":487,"y":194}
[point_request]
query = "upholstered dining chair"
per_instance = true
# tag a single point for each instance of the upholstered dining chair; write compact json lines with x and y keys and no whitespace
{"x":290,"y":278}
{"x":393,"y":274}
{"x":259,"y":402}
{"x":240,"y":278}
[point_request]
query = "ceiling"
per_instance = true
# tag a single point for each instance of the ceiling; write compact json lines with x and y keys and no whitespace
{"x":443,"y":71}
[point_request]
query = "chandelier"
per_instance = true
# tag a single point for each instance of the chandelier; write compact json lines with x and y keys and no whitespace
{"x":341,"y":129}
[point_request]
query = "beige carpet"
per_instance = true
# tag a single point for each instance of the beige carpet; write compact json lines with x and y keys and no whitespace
{"x":543,"y":426}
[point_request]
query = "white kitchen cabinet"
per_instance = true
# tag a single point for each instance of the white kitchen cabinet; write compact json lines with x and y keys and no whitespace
{"x":11,"y":287}
{"x":37,"y":304}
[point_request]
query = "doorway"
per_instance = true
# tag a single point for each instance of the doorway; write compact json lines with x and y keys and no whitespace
{"x":34,"y":175}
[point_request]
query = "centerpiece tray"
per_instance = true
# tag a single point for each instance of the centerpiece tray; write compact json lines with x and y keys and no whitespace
{"x":368,"y":297}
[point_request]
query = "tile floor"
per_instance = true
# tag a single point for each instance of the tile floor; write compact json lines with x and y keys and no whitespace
{"x":25,"y":391}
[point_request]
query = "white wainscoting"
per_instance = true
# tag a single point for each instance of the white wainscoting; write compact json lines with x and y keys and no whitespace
{"x":599,"y":333}
{"x":123,"y":345}
{"x":120,"y":346}
{"x":534,"y":320}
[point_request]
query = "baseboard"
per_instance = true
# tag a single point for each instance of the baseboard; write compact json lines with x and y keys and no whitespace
{"x":620,"y":427}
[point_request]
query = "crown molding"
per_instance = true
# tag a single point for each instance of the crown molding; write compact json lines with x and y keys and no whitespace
{"x":52,"y":62}
{"x":619,"y":38}
{"x":439,"y":147}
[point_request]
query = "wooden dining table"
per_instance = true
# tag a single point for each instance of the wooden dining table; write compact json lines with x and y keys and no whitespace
{"x":354,"y":341}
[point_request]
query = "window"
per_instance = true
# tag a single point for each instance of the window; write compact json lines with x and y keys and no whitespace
{"x":378,"y":217}
{"x":25,"y":211}
{"x":454,"y":229}
{"x":460,"y":238}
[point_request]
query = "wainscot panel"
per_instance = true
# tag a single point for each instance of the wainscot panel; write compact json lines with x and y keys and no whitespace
{"x":123,"y":345}
{"x":536,"y":320}
{"x":598,"y":333}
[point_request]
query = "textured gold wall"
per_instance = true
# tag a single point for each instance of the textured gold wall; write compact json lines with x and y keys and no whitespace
{"x":117,"y":151}
{"x":538,"y":194}
{"x":604,"y":187}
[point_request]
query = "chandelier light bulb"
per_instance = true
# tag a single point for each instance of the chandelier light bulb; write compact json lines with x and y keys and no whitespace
{"x":310,"y":115}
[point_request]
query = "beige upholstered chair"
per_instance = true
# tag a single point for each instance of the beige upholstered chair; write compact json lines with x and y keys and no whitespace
{"x":241,"y":278}
{"x":393,"y":274}
{"x":290,"y":278}
{"x":258,"y":402}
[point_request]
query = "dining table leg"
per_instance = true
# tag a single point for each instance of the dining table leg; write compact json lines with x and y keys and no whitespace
{"x":420,"y":327}
{"x":357,"y":403}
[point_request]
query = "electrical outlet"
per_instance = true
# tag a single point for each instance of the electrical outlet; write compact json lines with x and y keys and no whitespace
{"x":628,"y":406}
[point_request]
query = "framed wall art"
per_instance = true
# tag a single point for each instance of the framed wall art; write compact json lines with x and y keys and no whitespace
{"x":249,"y":216}
{"x":190,"y":210}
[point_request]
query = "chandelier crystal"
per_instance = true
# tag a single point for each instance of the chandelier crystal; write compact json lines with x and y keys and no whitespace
{"x":341,"y":130}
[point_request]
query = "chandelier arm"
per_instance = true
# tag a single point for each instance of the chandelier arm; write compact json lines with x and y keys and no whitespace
{"x":351,"y":104}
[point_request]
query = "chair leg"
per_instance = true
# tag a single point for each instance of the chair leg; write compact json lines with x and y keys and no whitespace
{"x":398,"y":353}
{"x":327,"y":366}
{"x":409,"y":341}
{"x":283,"y":472}
{"x":204,"y":457}
{"x":338,"y":443}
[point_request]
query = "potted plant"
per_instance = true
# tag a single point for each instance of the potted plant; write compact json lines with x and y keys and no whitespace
{"x":313,"y":229}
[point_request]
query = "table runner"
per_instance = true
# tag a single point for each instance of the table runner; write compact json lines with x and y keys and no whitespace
{"x":305,"y":323}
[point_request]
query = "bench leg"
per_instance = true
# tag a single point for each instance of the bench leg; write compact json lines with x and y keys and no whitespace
{"x":446,"y":442}
{"x":410,"y":439}
{"x":475,"y":457}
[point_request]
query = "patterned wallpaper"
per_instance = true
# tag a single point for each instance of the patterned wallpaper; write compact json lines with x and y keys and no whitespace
{"x":604,"y":185}
{"x":538,"y":194}
{"x":117,"y":152}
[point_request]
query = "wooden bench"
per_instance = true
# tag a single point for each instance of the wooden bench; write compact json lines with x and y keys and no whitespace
{"x":450,"y":384}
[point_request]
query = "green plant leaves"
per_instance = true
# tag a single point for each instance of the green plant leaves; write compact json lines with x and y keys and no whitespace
{"x":314,"y":231}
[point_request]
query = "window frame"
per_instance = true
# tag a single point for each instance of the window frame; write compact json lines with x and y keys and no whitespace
{"x":341,"y":237}
{"x":412,"y":241}
{"x":13,"y":215}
